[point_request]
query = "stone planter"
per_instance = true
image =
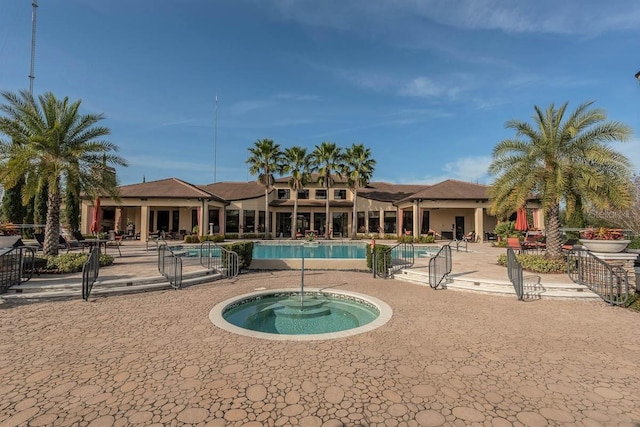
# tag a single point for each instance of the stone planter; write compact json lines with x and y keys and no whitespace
{"x":605,"y":246}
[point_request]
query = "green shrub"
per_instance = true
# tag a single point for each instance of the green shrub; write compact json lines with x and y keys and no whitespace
{"x":635,"y":243}
{"x":244,"y":251}
{"x":537,"y":263}
{"x":634,"y":302}
{"x":192,"y":239}
{"x":379,"y":250}
{"x":426,"y":239}
{"x":405,"y":239}
{"x":72,"y":263}
{"x":215,"y":238}
{"x":250,"y":236}
{"x":506,"y":229}
{"x":231,"y":236}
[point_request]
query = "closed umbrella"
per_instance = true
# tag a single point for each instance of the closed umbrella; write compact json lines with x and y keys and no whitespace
{"x":95,"y":220}
{"x":521,"y":220}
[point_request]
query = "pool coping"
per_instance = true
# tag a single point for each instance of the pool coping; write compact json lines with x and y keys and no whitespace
{"x":215,"y":316}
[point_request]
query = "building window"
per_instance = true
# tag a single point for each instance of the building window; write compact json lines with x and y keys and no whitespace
{"x":283,"y":194}
{"x":360,"y":224}
{"x":303,"y":194}
{"x":321,"y":194}
{"x":374,"y":221}
{"x":249,"y":221}
{"x":390,"y":222}
{"x":232,"y":223}
{"x":340,"y":194}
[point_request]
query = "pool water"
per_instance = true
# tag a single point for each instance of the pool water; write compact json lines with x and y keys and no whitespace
{"x":321,"y":250}
{"x":283,"y":313}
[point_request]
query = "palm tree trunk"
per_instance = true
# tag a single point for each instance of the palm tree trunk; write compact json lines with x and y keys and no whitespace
{"x":267,"y":235}
{"x":354,"y":219}
{"x":554,"y":241}
{"x":294,"y":220}
{"x":52,"y":227}
{"x":326,"y":212}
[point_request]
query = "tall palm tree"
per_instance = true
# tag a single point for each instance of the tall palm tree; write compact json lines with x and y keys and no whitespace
{"x":560,"y":158}
{"x":326,"y":159}
{"x":298,"y":165}
{"x":265,"y":161}
{"x":358,"y":167}
{"x":52,"y":143}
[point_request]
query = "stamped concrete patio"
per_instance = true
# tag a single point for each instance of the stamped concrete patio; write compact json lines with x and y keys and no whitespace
{"x":444,"y":358}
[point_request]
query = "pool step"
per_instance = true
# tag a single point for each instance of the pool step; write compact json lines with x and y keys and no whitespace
{"x":502,"y":287}
{"x":68,"y":290}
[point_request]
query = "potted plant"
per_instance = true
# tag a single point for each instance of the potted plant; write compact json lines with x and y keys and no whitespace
{"x":607,"y":240}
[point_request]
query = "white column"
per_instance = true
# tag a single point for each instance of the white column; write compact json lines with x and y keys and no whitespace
{"x":416,"y":218}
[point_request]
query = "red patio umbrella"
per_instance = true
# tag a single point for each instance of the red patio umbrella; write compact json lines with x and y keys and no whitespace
{"x":95,"y":219}
{"x":521,"y":220}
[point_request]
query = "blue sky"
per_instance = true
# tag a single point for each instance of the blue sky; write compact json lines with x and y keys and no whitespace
{"x":426,"y":85}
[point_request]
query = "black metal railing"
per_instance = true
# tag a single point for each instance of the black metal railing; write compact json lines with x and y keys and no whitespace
{"x":90,"y":271}
{"x":392,"y":259}
{"x":440,"y":266}
{"x":220,"y":259}
{"x":170,"y":266}
{"x":611,"y":283}
{"x":514,"y":270}
{"x":16,"y":266}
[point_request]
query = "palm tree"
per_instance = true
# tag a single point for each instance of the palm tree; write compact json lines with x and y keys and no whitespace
{"x":559,"y":158}
{"x":327,"y":161}
{"x":298,"y":165}
{"x":52,"y":143}
{"x":266,"y":160}
{"x":359,"y":168}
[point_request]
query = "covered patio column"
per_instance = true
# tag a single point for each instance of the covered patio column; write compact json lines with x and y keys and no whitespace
{"x":479,"y":223}
{"x":204,"y":220}
{"x":144,"y":223}
{"x":416,"y":218}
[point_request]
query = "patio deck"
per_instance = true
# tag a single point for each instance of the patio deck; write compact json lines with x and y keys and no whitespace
{"x":444,"y":358}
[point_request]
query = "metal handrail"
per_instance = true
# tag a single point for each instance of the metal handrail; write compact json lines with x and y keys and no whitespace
{"x":514,"y":270}
{"x":90,"y":271}
{"x":170,"y":266}
{"x":394,"y":258}
{"x":219,"y":258}
{"x":440,"y":266}
{"x":16,"y":267}
{"x":611,"y":283}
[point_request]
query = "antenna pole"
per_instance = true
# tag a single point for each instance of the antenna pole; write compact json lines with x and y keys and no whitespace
{"x":215,"y":145}
{"x":34,"y":13}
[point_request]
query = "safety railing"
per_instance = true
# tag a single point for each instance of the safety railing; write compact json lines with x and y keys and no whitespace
{"x":170,"y":266}
{"x":440,"y":266}
{"x":514,"y":270}
{"x":394,"y":258}
{"x":611,"y":283}
{"x":218,"y":258}
{"x":16,"y":266}
{"x":90,"y":271}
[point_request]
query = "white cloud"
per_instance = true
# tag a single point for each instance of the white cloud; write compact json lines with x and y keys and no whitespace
{"x":243,"y":107}
{"x":469,"y":168}
{"x":582,"y":17}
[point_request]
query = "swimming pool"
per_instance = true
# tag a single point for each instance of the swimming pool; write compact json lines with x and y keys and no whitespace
{"x":317,"y":250}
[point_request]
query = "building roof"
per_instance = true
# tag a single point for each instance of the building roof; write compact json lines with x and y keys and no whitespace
{"x":451,"y":189}
{"x":235,"y":190}
{"x":387,"y":192}
{"x":169,"y":188}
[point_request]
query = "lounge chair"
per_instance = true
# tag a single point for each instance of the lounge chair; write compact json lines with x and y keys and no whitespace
{"x":80,"y":239}
{"x":470,"y":237}
{"x":62,"y":242}
{"x":515,"y":244}
{"x":568,"y":245}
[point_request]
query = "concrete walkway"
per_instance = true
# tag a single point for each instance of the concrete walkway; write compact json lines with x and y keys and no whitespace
{"x":444,"y":358}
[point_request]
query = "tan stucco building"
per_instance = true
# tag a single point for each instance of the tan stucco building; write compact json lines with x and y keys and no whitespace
{"x":447,"y":209}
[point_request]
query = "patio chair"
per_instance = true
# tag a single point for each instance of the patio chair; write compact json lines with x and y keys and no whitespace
{"x":470,"y":237}
{"x":80,"y":239}
{"x":515,"y":244}
{"x":568,"y":245}
{"x":117,"y":239}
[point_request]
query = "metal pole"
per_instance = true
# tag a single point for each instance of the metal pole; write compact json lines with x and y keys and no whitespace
{"x":32,"y":76}
{"x":215,"y":145}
